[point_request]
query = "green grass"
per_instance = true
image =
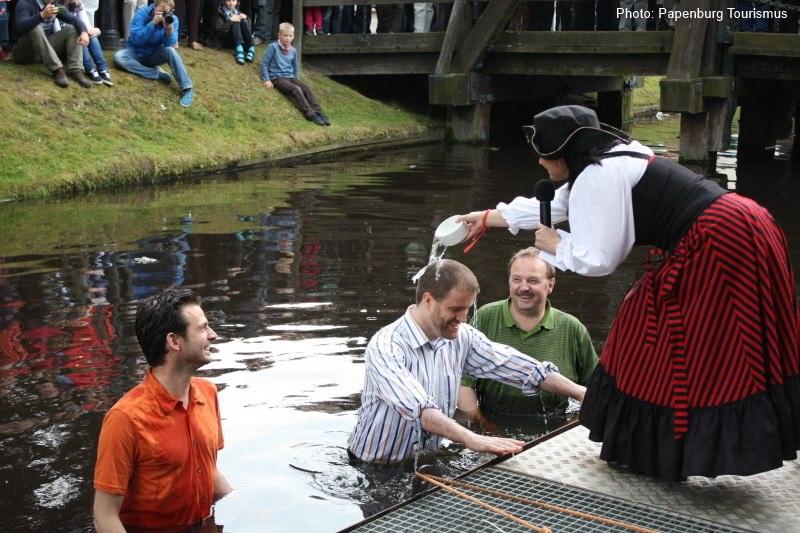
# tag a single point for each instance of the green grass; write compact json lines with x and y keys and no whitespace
{"x":60,"y":141}
{"x":648,"y":96}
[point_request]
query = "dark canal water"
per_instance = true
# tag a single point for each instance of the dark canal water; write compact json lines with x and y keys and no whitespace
{"x":298,"y":267}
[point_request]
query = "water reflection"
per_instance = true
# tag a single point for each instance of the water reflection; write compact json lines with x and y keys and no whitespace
{"x":298,"y":267}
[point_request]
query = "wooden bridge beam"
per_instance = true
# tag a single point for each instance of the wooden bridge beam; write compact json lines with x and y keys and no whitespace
{"x":486,"y":29}
{"x":457,"y":29}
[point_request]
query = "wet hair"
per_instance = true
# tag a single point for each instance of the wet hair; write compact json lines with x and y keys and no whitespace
{"x":159,"y":315}
{"x":530,"y":251}
{"x":578,"y":161}
{"x":285,"y":27}
{"x":442,"y":276}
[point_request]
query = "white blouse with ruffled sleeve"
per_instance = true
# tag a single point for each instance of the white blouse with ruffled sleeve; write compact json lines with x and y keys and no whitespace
{"x":599,"y":208}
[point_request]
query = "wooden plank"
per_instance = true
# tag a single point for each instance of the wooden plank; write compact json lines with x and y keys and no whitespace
{"x":767,"y":68}
{"x":575,"y":65}
{"x":486,"y":29}
{"x":766,"y":44}
{"x":377,"y":64}
{"x":383,"y":43}
{"x":457,"y":28}
{"x":518,"y":88}
{"x":582,"y":42}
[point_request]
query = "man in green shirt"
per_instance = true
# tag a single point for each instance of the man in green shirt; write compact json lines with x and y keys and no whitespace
{"x":527,"y":322}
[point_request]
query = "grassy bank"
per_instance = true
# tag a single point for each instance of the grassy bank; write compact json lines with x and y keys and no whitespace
{"x":58,"y":141}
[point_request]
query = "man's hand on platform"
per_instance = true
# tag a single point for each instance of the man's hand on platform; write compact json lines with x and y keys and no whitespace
{"x":495,"y":445}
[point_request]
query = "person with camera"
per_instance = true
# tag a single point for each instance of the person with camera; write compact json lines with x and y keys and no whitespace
{"x":49,"y":34}
{"x":152,"y":42}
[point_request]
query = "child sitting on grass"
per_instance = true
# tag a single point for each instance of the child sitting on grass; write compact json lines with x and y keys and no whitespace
{"x":279,"y":70}
{"x":93,"y":61}
{"x":232,"y":28}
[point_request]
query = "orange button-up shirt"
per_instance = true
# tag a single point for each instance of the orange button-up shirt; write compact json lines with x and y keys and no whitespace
{"x":161,"y":457}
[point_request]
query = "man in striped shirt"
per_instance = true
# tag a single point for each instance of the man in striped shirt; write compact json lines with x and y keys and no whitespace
{"x":414,"y":367}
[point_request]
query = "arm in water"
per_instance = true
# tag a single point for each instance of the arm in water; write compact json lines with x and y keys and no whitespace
{"x":434,"y":421}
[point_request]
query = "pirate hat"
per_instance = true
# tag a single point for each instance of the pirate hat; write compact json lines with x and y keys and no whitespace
{"x":572,"y":128}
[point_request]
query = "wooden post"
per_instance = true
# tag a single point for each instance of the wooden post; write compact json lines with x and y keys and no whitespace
{"x":695,"y":88}
{"x":456,"y":29}
{"x":616,"y":107}
{"x":796,"y":143}
{"x":297,"y":21}
{"x":754,"y":116}
{"x":469,"y":124}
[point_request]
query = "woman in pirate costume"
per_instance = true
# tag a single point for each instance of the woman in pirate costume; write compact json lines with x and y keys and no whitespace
{"x":700,"y":373}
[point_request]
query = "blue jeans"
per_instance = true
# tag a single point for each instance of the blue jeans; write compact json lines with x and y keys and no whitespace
{"x":93,"y":56}
{"x":127,"y":59}
{"x":3,"y":22}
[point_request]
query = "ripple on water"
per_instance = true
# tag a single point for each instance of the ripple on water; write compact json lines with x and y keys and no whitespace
{"x":58,"y":492}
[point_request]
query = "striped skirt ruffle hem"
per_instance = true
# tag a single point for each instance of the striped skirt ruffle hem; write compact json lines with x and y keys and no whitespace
{"x":700,"y":374}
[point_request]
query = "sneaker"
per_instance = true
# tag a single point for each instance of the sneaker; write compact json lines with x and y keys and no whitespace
{"x":257,"y":41}
{"x":186,"y":98}
{"x":317,"y":119}
{"x":60,"y":78}
{"x":251,"y":54}
{"x":164,"y":77}
{"x":106,"y":77}
{"x":238,"y":53}
{"x":325,"y":118}
{"x":80,"y":77}
{"x":95,"y":77}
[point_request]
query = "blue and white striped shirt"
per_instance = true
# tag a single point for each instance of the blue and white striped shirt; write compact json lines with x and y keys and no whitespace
{"x":407,"y":373}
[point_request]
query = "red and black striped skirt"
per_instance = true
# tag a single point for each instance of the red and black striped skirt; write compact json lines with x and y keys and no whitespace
{"x":700,"y":374}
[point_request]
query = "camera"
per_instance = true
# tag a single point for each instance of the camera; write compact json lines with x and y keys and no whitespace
{"x":168,"y":18}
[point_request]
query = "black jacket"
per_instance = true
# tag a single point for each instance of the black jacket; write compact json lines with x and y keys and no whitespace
{"x":26,"y":17}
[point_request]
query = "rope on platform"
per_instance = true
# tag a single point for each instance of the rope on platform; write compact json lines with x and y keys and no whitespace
{"x":433,"y":480}
{"x":552,"y":507}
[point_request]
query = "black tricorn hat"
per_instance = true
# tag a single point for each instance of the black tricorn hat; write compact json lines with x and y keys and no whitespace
{"x":568,"y":128}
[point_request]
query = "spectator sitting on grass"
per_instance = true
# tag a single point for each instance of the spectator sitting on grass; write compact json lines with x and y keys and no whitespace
{"x":152,"y":40}
{"x":279,"y":70}
{"x":49,"y":34}
{"x":93,"y":61}
{"x":232,"y":28}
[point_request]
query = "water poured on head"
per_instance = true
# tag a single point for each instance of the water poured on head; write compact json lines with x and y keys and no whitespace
{"x":437,"y":253}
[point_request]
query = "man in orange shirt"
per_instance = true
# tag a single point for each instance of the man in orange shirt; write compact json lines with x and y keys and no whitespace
{"x":157,"y":455}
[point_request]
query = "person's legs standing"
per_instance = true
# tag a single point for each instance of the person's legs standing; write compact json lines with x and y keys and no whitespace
{"x":129,"y":7}
{"x":423,"y":15}
{"x":625,"y":22}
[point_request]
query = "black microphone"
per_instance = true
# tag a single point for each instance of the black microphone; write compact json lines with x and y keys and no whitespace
{"x":545,"y":192}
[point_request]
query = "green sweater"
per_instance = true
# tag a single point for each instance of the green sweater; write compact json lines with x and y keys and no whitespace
{"x":559,"y":338}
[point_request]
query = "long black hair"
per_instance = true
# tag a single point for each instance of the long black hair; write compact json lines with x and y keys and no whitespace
{"x":578,"y":160}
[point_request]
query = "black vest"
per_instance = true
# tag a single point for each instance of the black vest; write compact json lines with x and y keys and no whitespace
{"x":667,"y":199}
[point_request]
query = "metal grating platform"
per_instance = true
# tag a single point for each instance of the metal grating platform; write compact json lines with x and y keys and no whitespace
{"x":442,"y":512}
{"x":768,"y":502}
